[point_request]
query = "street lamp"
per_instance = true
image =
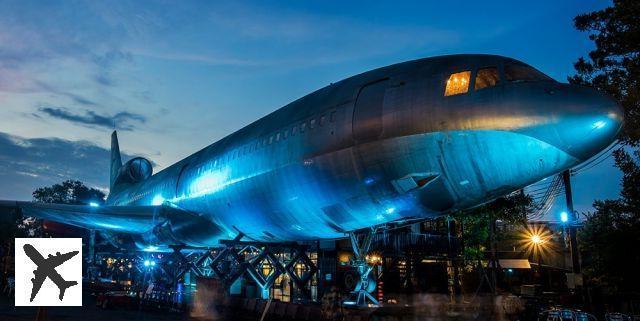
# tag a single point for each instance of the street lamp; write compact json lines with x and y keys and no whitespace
{"x":564,"y":217}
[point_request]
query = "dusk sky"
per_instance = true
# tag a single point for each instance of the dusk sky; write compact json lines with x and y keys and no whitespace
{"x":177,"y":76}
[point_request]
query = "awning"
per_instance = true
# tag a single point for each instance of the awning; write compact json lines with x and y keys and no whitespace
{"x":512,"y":264}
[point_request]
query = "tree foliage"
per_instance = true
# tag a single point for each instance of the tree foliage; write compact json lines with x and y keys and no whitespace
{"x":511,"y":210}
{"x":614,"y":65}
{"x":68,"y":192}
{"x":611,"y":234}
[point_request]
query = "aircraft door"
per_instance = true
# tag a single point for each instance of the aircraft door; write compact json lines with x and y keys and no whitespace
{"x":367,"y":113}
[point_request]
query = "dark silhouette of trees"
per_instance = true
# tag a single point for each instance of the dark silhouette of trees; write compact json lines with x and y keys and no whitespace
{"x":610,"y":237}
{"x":68,"y":192}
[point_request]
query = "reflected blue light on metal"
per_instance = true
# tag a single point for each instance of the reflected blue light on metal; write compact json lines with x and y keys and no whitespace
{"x":599,"y":124}
{"x":157,"y":200}
{"x":564,"y":217}
{"x":150,"y":248}
{"x":147,"y":263}
{"x":153,"y":263}
{"x":209,"y":182}
{"x":390,"y":210}
{"x":93,"y":204}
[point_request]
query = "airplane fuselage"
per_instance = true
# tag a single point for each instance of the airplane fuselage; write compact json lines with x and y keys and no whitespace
{"x":385,"y":145}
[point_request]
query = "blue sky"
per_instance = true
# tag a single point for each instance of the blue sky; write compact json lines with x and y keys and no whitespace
{"x":177,"y":76}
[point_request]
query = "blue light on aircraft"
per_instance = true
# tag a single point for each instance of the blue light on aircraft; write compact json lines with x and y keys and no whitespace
{"x":150,"y":248}
{"x":564,"y":217}
{"x":157,"y":200}
{"x":390,"y":210}
{"x":149,"y":263}
{"x":93,"y":204}
{"x":599,"y":124}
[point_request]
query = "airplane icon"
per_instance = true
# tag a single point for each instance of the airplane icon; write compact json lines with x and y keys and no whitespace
{"x":47,"y":269}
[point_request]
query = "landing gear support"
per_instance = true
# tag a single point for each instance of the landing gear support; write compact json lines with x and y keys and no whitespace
{"x":361,"y":244}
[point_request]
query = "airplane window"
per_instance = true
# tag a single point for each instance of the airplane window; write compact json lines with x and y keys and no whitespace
{"x":270,"y":139}
{"x":278,"y":136}
{"x":312,"y":124}
{"x":285,"y":133}
{"x":332,"y":118}
{"x":302,"y":127}
{"x":323,"y":119}
{"x":457,"y":83}
{"x":520,"y":72}
{"x":486,"y":77}
{"x":293,"y":130}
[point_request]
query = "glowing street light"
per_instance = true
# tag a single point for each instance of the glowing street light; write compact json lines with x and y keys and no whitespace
{"x":564,"y":217}
{"x":536,"y":239}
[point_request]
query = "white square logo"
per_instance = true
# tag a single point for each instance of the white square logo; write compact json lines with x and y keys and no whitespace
{"x":48,"y":272}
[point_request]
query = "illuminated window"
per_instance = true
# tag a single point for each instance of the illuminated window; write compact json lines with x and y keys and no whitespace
{"x":312,"y":124}
{"x":277,"y":137}
{"x":303,"y":127}
{"x":457,"y":83}
{"x":323,"y":119}
{"x":486,"y":77}
{"x":293,"y":130}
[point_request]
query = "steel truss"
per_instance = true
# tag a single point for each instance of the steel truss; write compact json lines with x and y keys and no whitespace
{"x":263,"y":262}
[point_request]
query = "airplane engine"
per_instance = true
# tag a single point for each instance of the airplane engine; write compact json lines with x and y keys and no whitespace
{"x":135,"y":170}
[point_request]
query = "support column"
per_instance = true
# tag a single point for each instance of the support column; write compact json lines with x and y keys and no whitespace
{"x":361,"y":294}
{"x":573,"y":239}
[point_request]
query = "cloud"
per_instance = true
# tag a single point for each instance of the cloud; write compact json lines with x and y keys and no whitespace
{"x":122,"y":120}
{"x":26,"y":164}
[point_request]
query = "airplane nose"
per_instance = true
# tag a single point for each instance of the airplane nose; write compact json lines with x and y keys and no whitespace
{"x":583,"y":122}
{"x":595,"y":125}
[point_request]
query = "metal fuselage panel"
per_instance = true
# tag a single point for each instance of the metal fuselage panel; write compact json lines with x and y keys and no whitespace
{"x":344,"y":173}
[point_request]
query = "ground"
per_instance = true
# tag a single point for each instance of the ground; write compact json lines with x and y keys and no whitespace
{"x":88,"y":312}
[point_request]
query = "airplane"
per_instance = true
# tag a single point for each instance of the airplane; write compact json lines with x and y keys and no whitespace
{"x":47,"y":269}
{"x":409,"y":141}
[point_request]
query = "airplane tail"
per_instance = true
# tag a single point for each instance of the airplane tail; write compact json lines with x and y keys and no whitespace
{"x":65,"y":286}
{"x":116,"y":160}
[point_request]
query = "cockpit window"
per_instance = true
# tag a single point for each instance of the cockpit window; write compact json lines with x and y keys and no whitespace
{"x":486,"y":77}
{"x":516,"y":72}
{"x":457,"y":83}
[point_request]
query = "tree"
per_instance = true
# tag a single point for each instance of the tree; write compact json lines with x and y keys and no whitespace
{"x":614,"y":67}
{"x":511,"y":210}
{"x":68,"y":192}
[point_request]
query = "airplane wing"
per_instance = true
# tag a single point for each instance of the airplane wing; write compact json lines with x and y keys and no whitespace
{"x":33,"y":254}
{"x":60,"y":258}
{"x":170,"y":222}
{"x":126,"y":219}
{"x":37,"y":283}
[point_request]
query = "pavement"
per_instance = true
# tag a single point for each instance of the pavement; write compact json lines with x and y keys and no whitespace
{"x":88,"y":312}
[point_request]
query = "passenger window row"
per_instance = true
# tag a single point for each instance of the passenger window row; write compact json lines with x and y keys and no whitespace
{"x":307,"y":125}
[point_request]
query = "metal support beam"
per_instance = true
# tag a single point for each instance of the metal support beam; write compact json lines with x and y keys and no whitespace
{"x":573,"y":239}
{"x":264,"y":263}
{"x":361,"y":244}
